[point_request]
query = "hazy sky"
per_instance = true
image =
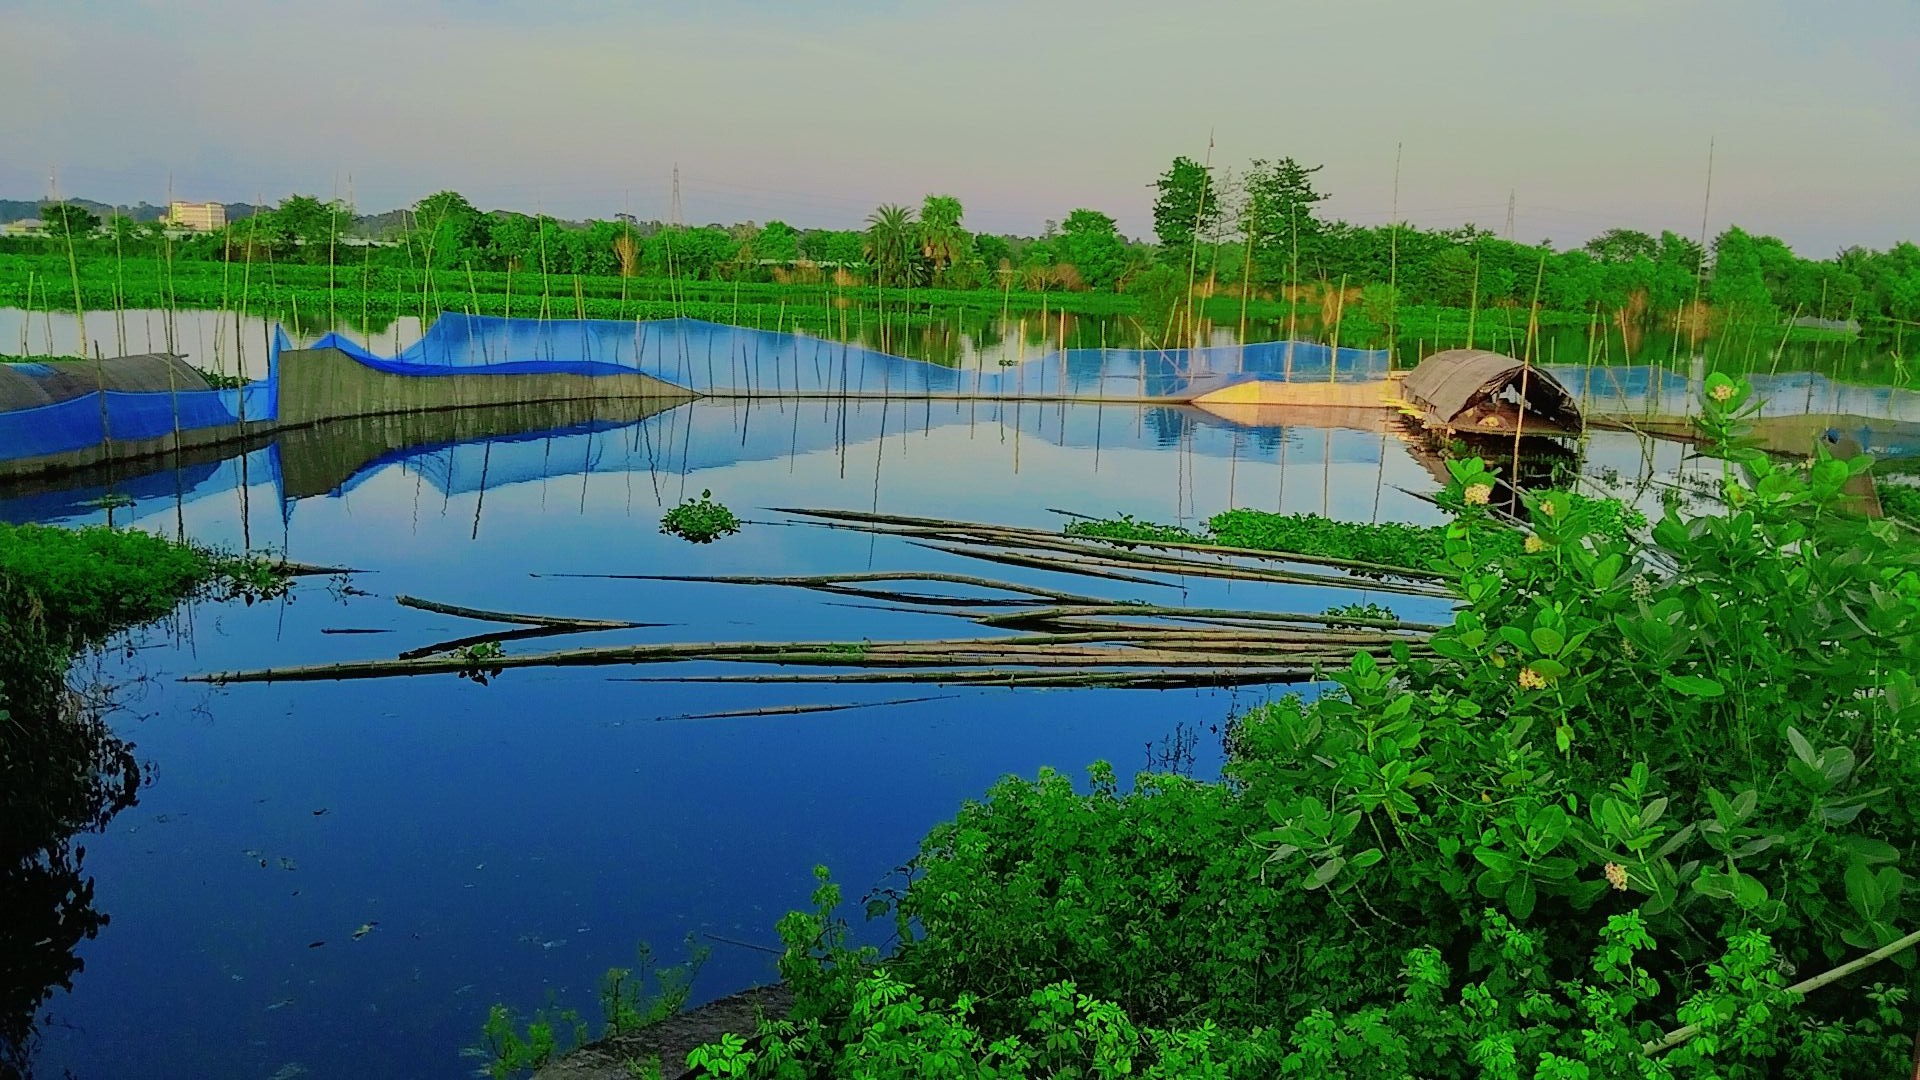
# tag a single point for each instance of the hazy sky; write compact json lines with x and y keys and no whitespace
{"x":1592,"y":114}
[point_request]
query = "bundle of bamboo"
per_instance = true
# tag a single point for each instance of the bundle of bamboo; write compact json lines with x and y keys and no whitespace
{"x":1038,"y":636}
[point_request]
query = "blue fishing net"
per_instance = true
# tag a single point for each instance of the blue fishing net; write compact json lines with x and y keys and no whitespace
{"x":713,"y":358}
{"x":131,"y":416}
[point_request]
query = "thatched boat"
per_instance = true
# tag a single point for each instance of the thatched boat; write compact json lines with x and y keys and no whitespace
{"x":1476,"y":392}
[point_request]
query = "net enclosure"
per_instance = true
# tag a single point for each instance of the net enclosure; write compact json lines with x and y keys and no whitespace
{"x":49,"y":410}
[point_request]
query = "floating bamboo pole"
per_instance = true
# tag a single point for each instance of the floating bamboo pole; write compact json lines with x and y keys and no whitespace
{"x":515,"y":617}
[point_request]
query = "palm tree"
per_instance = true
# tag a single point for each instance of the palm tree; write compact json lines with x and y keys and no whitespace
{"x":890,"y":244}
{"x":942,"y":240}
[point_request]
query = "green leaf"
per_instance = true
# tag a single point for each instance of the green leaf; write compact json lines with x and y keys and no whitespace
{"x":1552,"y":669}
{"x":1863,"y":891}
{"x":1499,"y":862}
{"x":1870,"y":851}
{"x":1521,"y":897}
{"x":1802,"y":749}
{"x":1548,"y":640}
{"x":1698,"y":686}
{"x":1326,"y":872}
{"x":1606,"y":571}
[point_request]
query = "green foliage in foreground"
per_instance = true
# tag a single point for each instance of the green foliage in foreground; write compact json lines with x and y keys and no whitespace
{"x":700,"y":521}
{"x":627,"y":1001}
{"x":1900,"y":502}
{"x":1644,"y":783}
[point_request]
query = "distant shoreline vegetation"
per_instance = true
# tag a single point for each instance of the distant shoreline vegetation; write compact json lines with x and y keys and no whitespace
{"x":1242,"y":246}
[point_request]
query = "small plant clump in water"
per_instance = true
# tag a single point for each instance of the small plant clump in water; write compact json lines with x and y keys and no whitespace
{"x":700,"y":521}
{"x":1352,"y":614}
{"x":1123,"y":528}
{"x":480,"y":661}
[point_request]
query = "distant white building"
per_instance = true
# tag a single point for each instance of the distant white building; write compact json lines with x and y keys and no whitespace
{"x":24,"y":227}
{"x":197,"y":216}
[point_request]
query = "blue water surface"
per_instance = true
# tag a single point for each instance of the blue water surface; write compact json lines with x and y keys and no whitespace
{"x":510,"y":842}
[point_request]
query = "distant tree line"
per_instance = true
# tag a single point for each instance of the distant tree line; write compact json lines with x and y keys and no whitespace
{"x":1261,"y":231}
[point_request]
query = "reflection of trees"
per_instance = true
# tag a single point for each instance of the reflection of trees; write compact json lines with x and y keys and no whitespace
{"x":62,"y":772}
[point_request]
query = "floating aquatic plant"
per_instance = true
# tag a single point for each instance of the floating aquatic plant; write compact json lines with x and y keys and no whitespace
{"x":700,"y":521}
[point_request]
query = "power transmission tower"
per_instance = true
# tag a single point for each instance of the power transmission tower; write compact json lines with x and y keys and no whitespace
{"x":1509,"y":213}
{"x":673,"y":215}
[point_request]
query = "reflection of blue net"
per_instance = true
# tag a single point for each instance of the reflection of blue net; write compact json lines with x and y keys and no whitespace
{"x":713,"y":435}
{"x":714,"y":358}
{"x":133,"y":416}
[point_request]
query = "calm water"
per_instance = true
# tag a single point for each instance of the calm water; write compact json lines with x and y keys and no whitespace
{"x":512,"y":841}
{"x":990,"y":341}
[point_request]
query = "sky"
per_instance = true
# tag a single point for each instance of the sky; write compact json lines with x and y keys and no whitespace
{"x":1586,"y":115}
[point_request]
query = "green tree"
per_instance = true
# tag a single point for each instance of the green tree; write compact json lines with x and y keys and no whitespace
{"x":1738,"y":283}
{"x":69,"y":219}
{"x":1903,"y":296}
{"x":891,"y":244}
{"x":301,"y":225}
{"x":1090,"y":241}
{"x":693,"y":253}
{"x":1622,"y":245}
{"x":122,"y":228}
{"x":1185,"y":206}
{"x":993,"y":250}
{"x":943,"y":241}
{"x":1278,"y":215}
{"x":448,"y":229}
{"x":777,"y":242}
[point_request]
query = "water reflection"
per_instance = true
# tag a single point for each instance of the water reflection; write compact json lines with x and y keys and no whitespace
{"x":990,"y":339}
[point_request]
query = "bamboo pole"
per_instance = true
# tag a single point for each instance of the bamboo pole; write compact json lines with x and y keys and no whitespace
{"x":902,"y":525}
{"x":1036,"y":650}
{"x":1803,"y":988}
{"x":514,"y":617}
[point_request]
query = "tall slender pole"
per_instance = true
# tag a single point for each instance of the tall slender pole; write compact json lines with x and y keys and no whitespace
{"x":1393,"y":266}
